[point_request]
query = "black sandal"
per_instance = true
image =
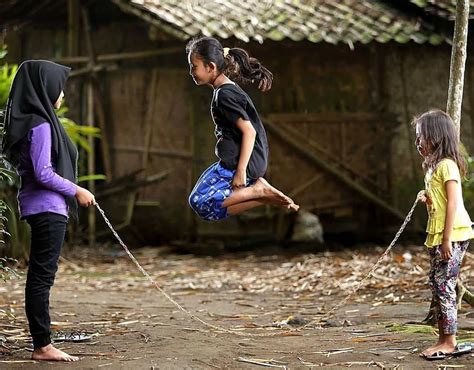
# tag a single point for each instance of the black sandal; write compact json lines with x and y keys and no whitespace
{"x":75,"y":337}
{"x":438,"y":355}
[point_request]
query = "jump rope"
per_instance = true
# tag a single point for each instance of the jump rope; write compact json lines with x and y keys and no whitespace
{"x":237,"y":332}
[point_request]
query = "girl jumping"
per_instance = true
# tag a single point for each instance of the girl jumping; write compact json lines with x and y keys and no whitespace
{"x":235,"y":183}
{"x":449,"y":226}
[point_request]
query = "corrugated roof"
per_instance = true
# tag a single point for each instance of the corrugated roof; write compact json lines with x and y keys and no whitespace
{"x":332,"y":21}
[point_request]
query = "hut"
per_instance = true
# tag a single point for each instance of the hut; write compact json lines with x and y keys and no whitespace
{"x":349,"y":76}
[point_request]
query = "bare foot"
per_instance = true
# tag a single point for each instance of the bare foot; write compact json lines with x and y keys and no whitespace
{"x":446,"y":348}
{"x":430,"y":350}
{"x":270,"y":194}
{"x":50,"y":353}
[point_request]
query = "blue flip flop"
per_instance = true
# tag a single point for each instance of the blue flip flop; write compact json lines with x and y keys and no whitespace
{"x":462,"y":349}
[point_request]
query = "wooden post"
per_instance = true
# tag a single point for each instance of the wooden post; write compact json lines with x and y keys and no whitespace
{"x":73,"y":27}
{"x":90,"y":122}
{"x":191,"y":175}
{"x":406,"y":111}
{"x":91,"y":163}
{"x":105,"y":144}
{"x":149,"y":115}
{"x":458,"y":61}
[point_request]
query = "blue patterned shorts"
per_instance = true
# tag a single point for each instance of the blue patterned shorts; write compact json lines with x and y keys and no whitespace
{"x":210,"y":191}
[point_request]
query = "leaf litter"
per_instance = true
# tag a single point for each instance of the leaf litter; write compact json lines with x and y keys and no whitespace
{"x":313,"y":282}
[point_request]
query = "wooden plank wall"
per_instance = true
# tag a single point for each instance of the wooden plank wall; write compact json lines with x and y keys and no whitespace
{"x":133,"y":106}
{"x":318,"y":81}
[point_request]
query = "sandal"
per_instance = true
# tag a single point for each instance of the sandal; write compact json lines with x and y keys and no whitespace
{"x":459,"y":350}
{"x":75,"y":337}
{"x":462,"y":349}
{"x":438,"y":355}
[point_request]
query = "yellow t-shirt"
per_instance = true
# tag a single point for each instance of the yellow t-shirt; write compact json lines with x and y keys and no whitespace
{"x":435,"y":188}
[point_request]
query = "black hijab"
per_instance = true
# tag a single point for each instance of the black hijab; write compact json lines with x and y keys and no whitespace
{"x":36,"y":87}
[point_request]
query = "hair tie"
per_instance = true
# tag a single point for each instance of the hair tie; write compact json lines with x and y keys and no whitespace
{"x":226,"y":52}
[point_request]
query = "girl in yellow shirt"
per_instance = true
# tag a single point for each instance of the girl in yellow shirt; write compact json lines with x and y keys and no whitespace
{"x":449,"y":226}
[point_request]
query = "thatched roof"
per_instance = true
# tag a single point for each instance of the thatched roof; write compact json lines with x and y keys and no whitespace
{"x":441,"y":8}
{"x":342,"y":21}
{"x":331,"y":21}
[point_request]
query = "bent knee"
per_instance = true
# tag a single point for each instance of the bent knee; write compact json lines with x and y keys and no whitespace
{"x":208,"y":208}
{"x":194,"y":200}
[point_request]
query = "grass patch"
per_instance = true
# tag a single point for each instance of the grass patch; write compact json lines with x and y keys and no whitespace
{"x":463,"y":335}
{"x":412,"y":328}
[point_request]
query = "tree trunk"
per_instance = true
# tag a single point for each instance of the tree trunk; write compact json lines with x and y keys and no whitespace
{"x":462,"y":294}
{"x":458,"y":62}
{"x":455,"y":92}
{"x":431,"y":318}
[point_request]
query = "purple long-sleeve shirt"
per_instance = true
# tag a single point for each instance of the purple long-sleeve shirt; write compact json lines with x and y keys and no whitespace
{"x":42,"y":189}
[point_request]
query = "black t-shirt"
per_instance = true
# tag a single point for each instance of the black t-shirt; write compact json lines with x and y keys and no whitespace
{"x":229,"y":103}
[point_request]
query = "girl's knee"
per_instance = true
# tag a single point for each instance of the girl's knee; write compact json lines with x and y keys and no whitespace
{"x":207,"y":207}
{"x":198,"y":204}
{"x":192,"y":200}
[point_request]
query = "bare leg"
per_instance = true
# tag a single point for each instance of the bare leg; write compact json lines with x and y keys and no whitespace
{"x":442,"y":336}
{"x":49,"y":353}
{"x":262,"y":191}
{"x":242,"y":207}
{"x":446,"y":342}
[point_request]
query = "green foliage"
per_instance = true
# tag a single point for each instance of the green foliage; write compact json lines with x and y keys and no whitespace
{"x":7,"y":73}
{"x":463,"y":335}
{"x":7,"y":176}
{"x":3,"y":51}
{"x":91,"y":177}
{"x":411,"y":328}
{"x":5,"y":271}
{"x":78,"y":134}
{"x":468,"y":187}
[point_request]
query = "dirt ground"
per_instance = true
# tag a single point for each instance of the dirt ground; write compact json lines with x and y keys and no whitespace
{"x":134,"y":327}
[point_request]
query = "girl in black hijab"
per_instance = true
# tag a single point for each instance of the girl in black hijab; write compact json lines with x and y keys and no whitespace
{"x":36,"y":143}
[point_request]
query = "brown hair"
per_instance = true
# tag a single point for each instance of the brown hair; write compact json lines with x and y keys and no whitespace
{"x":438,"y":131}
{"x":237,"y":64}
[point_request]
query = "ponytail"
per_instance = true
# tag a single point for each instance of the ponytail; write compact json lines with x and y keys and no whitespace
{"x":234,"y":62}
{"x":241,"y":66}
